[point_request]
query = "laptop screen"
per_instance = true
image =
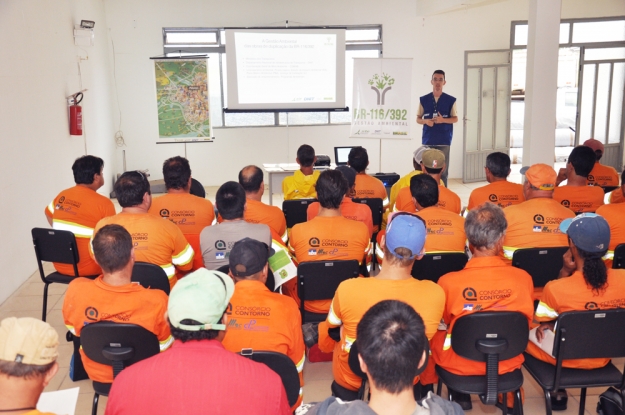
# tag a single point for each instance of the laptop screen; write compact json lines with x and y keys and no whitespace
{"x":341,"y":154}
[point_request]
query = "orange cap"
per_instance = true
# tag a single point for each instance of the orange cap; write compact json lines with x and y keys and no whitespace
{"x":596,"y":145}
{"x":541,"y":176}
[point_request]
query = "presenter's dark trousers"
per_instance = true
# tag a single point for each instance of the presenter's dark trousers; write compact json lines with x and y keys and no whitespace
{"x":445,"y":150}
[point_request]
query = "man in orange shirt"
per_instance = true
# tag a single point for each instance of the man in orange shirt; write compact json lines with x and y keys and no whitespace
{"x":604,"y":176}
{"x":366,"y":186}
{"x":534,"y":223}
{"x":499,"y":190}
{"x":403,"y":244}
{"x":302,"y":184}
{"x":613,"y":213}
{"x":156,"y":241}
{"x":78,"y":209}
{"x":113,"y":297}
{"x":258,"y":318}
{"x":329,"y":236}
{"x":486,"y":283}
{"x":433,"y":163}
{"x":191,"y":213}
{"x":577,"y":195}
{"x":355,"y":211}
{"x":417,"y":157}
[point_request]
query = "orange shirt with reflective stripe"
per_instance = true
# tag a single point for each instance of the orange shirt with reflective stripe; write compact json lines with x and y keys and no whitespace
{"x":189,"y":212}
{"x":446,"y":200}
{"x":157,"y":241}
{"x":78,"y":209}
{"x":616,"y":196}
{"x":354,"y":297}
{"x":89,"y":301}
{"x":486,"y":283}
{"x":615,"y":215}
{"x":502,"y":193}
{"x":604,"y":176}
{"x":579,"y":198}
{"x":328,"y":238}
{"x":354,"y":211}
{"x":573,"y":293}
{"x":262,"y":320}
{"x":370,"y":187}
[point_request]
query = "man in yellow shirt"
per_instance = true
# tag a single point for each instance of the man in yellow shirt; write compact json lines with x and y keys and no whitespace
{"x":302,"y":184}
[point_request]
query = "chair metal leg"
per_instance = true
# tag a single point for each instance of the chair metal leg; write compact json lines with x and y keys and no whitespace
{"x":94,"y":407}
{"x":504,"y":406}
{"x":518,"y":403}
{"x":548,"y":402}
{"x":582,"y":402}
{"x":45,"y":301}
{"x":439,"y":387}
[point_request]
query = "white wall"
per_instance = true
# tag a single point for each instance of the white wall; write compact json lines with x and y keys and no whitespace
{"x":39,"y":69}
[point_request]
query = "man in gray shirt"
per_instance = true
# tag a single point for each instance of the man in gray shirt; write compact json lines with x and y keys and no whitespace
{"x":217,"y":241}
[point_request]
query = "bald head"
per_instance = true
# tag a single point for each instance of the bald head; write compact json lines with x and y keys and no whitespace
{"x":251,"y":178}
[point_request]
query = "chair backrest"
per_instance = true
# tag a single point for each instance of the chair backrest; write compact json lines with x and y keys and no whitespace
{"x":375,"y":204}
{"x":117,"y":344}
{"x":619,"y":257}
{"x":52,"y":245}
{"x":197,"y":189}
{"x":282,"y":365}
{"x":150,"y":276}
{"x":295,"y":211}
{"x":543,"y":264}
{"x":354,"y":363}
{"x":433,"y":266}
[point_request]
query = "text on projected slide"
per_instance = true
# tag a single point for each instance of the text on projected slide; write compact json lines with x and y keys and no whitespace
{"x":282,"y":68}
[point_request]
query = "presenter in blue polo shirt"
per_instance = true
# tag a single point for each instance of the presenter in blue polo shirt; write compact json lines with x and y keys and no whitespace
{"x":437,"y":113}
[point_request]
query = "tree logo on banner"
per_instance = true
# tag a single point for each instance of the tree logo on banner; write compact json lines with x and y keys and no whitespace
{"x":381,"y":84}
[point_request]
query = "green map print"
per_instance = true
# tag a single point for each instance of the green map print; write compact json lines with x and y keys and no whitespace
{"x":182,"y":99}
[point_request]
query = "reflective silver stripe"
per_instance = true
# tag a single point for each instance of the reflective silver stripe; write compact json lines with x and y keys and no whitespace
{"x":184,"y":257}
{"x":333,"y":318}
{"x":543,"y":310}
{"x":379,"y":252}
{"x":285,"y":236}
{"x":508,"y":251}
{"x":301,"y":391}
{"x":51,"y":207}
{"x":79,"y":231}
{"x":300,"y":365}
{"x":348,"y":344}
{"x":447,"y":343}
{"x":169,"y":270}
{"x":214,"y":221}
{"x":385,"y":201}
{"x":395,"y":207}
{"x":164,"y":345}
{"x":608,"y":255}
{"x":71,"y":329}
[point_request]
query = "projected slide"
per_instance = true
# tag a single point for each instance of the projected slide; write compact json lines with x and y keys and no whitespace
{"x":286,"y":68}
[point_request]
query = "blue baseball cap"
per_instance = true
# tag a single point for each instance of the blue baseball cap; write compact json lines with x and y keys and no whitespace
{"x":588,"y":231}
{"x":406,"y":231}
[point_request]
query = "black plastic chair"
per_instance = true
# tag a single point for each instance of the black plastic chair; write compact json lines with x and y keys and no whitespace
{"x":433,"y":266}
{"x":295,"y":211}
{"x":490,"y":337}
{"x":543,"y":264}
{"x":588,"y":334}
{"x":619,"y":257}
{"x":150,"y":276}
{"x":608,"y":189}
{"x":118,"y":345}
{"x":376,"y":206}
{"x":282,"y":365}
{"x":354,"y":365}
{"x":197,"y":189}
{"x":318,"y":280}
{"x":53,"y":245}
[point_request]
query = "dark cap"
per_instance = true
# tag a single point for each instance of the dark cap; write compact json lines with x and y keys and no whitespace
{"x":247,"y":257}
{"x":349,"y":173}
{"x":588,"y":231}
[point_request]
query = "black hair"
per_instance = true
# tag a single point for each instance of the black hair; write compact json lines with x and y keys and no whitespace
{"x":112,"y":245}
{"x":176,"y":172}
{"x":187,"y":335}
{"x":623,"y":177}
{"x":130,"y":188}
{"x":22,"y":370}
{"x":583,"y":160}
{"x":306,"y":155}
{"x":358,"y":159}
{"x":499,"y":164}
{"x":251,"y":177}
{"x":230,"y":200}
{"x":424,"y":189}
{"x":331,"y":187}
{"x":85,"y":168}
{"x":439,"y":72}
{"x":391,"y":340}
{"x":594,"y":270}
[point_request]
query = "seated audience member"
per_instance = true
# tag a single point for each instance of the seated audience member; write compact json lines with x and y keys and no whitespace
{"x":302,"y":184}
{"x":391,"y":351}
{"x":279,"y":329}
{"x":615,"y":215}
{"x":113,"y":297}
{"x":404,"y":181}
{"x":216,"y":241}
{"x":156,"y":241}
{"x":617,"y":196}
{"x":78,"y":209}
{"x":198,"y":375}
{"x":355,"y":211}
{"x":499,"y":190}
{"x":604,"y":176}
{"x":329,"y":236}
{"x":366,"y":186}
{"x":445,"y":229}
{"x":433,"y":163}
{"x":534,"y":223}
{"x":576,"y":194}
{"x":189,"y":212}
{"x":485,"y":228}
{"x":403,"y":244}
{"x":28,"y":354}
{"x":588,"y":285}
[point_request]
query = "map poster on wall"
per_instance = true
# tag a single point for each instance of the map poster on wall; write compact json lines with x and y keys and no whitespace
{"x":381,"y":101}
{"x":182,"y":99}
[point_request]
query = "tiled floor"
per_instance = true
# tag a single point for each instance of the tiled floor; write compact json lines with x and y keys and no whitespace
{"x":26,"y":301}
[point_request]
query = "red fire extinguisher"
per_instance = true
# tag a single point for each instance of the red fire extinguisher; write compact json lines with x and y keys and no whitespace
{"x":75,"y":114}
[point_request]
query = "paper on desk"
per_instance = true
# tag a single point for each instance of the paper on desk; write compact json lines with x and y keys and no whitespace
{"x":548,"y":339}
{"x":61,"y":402}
